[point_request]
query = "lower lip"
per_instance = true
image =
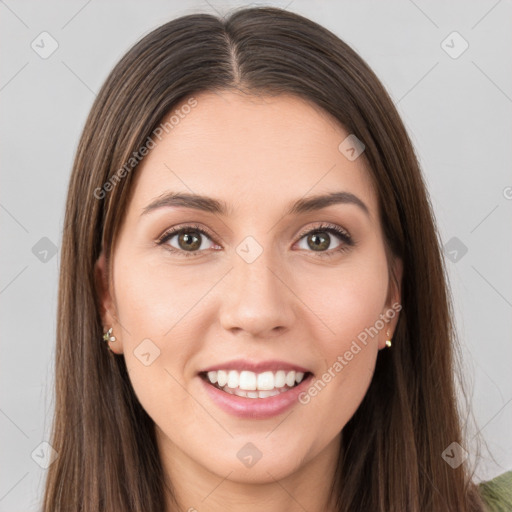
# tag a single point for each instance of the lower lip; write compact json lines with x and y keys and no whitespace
{"x":255,"y":408}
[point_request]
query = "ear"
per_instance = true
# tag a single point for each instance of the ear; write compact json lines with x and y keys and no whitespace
{"x":393,"y":305}
{"x":107,"y":306}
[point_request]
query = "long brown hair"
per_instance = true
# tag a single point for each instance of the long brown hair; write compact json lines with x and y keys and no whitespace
{"x":390,"y":458}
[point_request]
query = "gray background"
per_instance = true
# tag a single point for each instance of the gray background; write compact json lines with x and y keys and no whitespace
{"x":457,"y":111}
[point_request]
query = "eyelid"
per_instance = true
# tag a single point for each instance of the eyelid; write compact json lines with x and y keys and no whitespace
{"x":183,"y":227}
{"x":326,"y":226}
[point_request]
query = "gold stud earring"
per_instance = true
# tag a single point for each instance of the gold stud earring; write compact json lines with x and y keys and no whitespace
{"x":388,"y":342}
{"x":108,"y":336}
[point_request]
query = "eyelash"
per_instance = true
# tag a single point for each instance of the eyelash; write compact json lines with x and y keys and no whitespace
{"x":323,"y":228}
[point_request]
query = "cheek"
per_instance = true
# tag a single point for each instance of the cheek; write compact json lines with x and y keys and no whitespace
{"x":159,"y":301}
{"x":347,"y":300}
{"x":335,"y":395}
{"x":348,"y":360}
{"x":156,"y":309}
{"x":349,"y":304}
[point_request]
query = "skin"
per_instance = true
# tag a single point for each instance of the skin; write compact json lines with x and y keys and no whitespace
{"x":259,"y":155}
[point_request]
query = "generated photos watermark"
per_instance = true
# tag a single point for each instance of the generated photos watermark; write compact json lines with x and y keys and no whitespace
{"x":149,"y":144}
{"x":343,"y":360}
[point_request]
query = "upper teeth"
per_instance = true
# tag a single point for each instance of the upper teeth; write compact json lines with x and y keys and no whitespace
{"x":251,"y":381}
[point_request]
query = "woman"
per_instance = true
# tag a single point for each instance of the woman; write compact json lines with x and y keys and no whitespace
{"x":253,"y":310}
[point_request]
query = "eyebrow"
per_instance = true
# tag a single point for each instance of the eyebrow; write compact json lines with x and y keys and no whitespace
{"x":215,"y":206}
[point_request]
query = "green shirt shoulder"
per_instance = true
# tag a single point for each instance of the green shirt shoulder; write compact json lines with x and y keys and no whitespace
{"x":497,"y":493}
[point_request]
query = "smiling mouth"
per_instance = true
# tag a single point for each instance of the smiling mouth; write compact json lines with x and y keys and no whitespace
{"x":249,"y":384}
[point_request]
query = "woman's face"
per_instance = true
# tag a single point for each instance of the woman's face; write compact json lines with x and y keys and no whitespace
{"x":259,"y":301}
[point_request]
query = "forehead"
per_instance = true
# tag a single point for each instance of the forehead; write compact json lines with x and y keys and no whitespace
{"x":250,"y":151}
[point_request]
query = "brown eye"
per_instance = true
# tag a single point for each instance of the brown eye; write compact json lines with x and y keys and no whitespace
{"x":189,"y":241}
{"x":320,"y":241}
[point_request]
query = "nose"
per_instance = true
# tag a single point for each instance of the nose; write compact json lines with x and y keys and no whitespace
{"x":258,"y":298}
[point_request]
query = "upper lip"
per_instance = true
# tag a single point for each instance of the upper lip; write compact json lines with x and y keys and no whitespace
{"x":255,"y":366}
